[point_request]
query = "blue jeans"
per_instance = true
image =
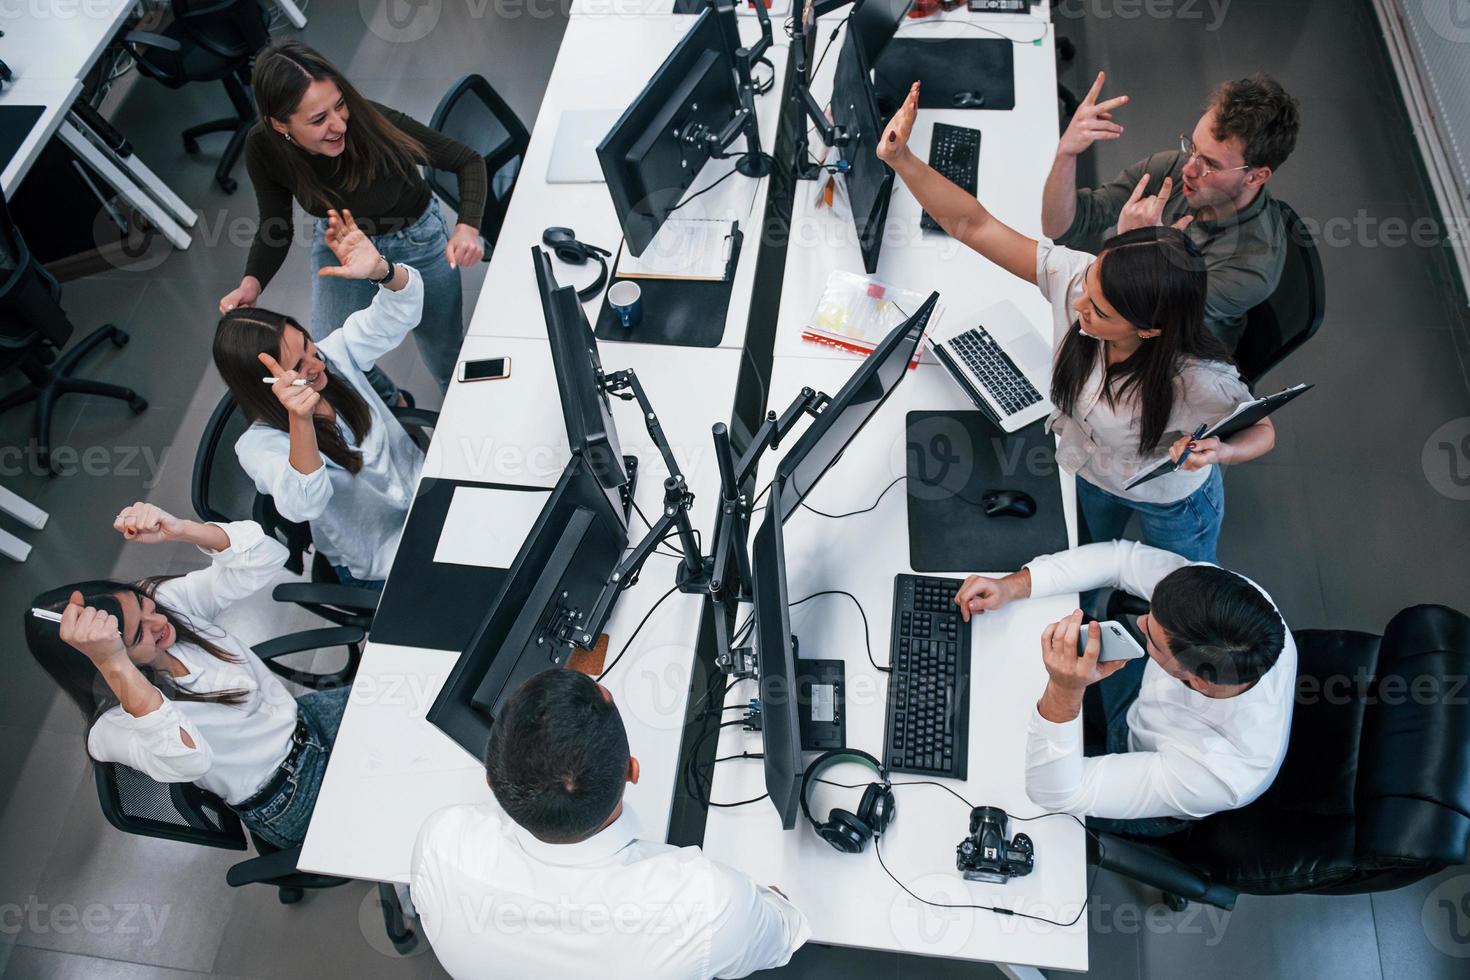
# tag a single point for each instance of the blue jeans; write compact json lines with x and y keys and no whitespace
{"x":282,"y":820}
{"x":1105,"y":732}
{"x":1190,"y":527}
{"x":441,"y":328}
{"x":345,"y":577}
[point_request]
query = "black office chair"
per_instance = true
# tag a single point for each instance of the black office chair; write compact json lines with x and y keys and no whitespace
{"x":475,"y":115}
{"x":1374,"y":792}
{"x":207,"y":41}
{"x":34,"y":329}
{"x":222,"y":491}
{"x":1293,"y":313}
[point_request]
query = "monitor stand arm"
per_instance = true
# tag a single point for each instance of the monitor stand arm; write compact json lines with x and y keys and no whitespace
{"x":753,"y":162}
{"x":808,"y":109}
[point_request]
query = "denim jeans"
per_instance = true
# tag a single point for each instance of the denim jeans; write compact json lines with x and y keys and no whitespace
{"x":1105,"y":732}
{"x":1190,"y":527}
{"x":282,"y":820}
{"x":345,"y":577}
{"x":441,"y":328}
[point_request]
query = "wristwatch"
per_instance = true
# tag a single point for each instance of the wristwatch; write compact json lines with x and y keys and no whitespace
{"x":387,"y":276}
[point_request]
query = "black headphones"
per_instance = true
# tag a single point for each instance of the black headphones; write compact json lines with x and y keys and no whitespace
{"x":563,"y":241}
{"x":850,"y":832}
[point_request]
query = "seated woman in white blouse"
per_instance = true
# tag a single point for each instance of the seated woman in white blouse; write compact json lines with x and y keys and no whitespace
{"x":328,"y":451}
{"x":180,"y":699}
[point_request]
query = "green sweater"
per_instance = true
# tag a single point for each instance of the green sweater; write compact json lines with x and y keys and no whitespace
{"x":385,"y":206}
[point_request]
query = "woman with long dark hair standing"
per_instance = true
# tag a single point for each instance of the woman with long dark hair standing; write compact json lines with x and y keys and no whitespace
{"x":320,"y":142}
{"x":1135,"y":371}
{"x":167,"y":692}
{"x":321,"y":443}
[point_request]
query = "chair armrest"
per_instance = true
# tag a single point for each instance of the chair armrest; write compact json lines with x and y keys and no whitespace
{"x":325,"y":594}
{"x":417,"y":416}
{"x":150,"y":40}
{"x":1156,"y":866}
{"x":278,"y":868}
{"x":319,"y":639}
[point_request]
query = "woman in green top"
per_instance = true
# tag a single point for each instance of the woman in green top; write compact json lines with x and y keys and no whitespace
{"x":323,"y":144}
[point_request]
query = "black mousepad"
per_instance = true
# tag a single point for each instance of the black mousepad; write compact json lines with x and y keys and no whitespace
{"x":681,"y":312}
{"x":954,"y":458}
{"x":16,"y":123}
{"x":428,"y":603}
{"x":944,"y":66}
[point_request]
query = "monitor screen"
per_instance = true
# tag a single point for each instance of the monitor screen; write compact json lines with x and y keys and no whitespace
{"x":776,"y":660}
{"x":848,"y":411}
{"x":869,"y":180}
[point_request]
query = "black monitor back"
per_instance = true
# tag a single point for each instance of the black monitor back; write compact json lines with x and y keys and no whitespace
{"x":576,"y":542}
{"x":875,"y":22}
{"x":870,"y":180}
{"x":776,"y":657}
{"x":647,"y":166}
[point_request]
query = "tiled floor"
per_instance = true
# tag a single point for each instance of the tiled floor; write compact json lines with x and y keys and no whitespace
{"x":1340,"y":523}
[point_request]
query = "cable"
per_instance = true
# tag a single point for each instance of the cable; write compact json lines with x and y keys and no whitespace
{"x":832,"y":37}
{"x":853,"y":513}
{"x":867,"y":639}
{"x":720,"y":180}
{"x":915,"y":25}
{"x":608,"y":669}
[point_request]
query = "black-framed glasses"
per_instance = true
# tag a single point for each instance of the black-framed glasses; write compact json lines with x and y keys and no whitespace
{"x":1191,"y":152}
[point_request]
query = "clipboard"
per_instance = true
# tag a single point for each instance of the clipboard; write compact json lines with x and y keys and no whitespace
{"x":676,"y":312}
{"x":1246,"y":414}
{"x":710,"y":258}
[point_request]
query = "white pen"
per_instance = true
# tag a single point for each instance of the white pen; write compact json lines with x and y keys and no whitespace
{"x":46,"y":614}
{"x":295,"y":384}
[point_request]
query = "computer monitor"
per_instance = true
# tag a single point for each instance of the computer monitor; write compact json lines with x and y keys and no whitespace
{"x":848,"y":411}
{"x":585,"y":406}
{"x":875,"y":22}
{"x":869,"y":180}
{"x":658,"y":145}
{"x":559,"y":573}
{"x":776,"y":659}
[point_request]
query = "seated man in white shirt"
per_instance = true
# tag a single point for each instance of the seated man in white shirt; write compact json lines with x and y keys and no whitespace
{"x":1197,"y":727}
{"x":554,"y":882}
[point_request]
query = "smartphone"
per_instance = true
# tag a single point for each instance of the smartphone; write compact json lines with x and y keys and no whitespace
{"x":487,"y":369}
{"x":1117,"y":643}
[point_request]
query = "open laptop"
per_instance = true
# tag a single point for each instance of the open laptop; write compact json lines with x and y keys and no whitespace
{"x":574,"y":153}
{"x":1000,"y":361}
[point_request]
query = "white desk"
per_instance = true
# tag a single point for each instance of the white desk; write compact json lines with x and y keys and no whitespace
{"x":390,"y":768}
{"x":604,"y":62}
{"x":861,"y":554}
{"x":60,"y":39}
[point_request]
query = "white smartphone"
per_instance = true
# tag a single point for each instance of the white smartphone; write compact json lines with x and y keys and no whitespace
{"x":1117,"y":643}
{"x":487,"y":369}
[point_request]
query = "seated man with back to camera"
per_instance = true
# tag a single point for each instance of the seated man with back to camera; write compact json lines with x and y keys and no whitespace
{"x":1220,"y":172}
{"x":555,"y":882}
{"x":1198,"y":726}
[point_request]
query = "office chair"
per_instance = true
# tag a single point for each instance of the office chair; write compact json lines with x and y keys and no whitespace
{"x":207,"y":41}
{"x":475,"y":115}
{"x":1292,"y":314}
{"x":1374,"y":792}
{"x":34,"y":329}
{"x":221,"y":491}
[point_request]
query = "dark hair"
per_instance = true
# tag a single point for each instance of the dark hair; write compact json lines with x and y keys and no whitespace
{"x":78,"y":677}
{"x":1221,"y":628}
{"x":1155,"y":278}
{"x":1261,"y":113}
{"x":243,"y":334}
{"x":558,"y":756}
{"x":375,"y":148}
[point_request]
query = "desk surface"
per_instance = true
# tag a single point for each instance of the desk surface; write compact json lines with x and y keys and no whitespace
{"x":58,"y":40}
{"x":861,"y":554}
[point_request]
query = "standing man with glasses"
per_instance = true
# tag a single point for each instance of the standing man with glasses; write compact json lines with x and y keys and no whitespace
{"x":1213,"y":186}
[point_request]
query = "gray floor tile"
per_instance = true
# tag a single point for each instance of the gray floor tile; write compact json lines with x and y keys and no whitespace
{"x":813,"y":962}
{"x":1279,"y":554}
{"x":41,"y":964}
{"x":43,"y":774}
{"x":1436,"y":909}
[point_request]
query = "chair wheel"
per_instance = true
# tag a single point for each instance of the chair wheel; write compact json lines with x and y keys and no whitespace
{"x":290,"y":896}
{"x":228,"y":184}
{"x":120,"y":338}
{"x":138,"y":404}
{"x":191,"y":147}
{"x":1176,"y":903}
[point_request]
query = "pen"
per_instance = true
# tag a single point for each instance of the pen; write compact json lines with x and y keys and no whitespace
{"x":47,"y":615}
{"x":295,"y":384}
{"x":1185,"y":455}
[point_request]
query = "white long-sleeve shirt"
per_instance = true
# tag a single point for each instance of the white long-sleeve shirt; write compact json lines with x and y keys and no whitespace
{"x":356,"y":519}
{"x":1189,"y":755}
{"x":496,"y":902}
{"x":236,"y":747}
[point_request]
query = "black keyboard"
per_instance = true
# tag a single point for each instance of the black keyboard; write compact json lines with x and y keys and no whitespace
{"x":994,"y":369}
{"x":928,"y":728}
{"x":954,"y":152}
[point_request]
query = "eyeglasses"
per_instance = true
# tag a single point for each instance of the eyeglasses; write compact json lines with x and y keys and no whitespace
{"x":1191,"y":152}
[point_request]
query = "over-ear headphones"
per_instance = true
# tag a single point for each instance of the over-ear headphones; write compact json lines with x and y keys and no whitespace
{"x":846,"y":831}
{"x":563,"y":241}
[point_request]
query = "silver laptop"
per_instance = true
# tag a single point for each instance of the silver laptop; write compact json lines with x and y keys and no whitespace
{"x":574,"y":154}
{"x":999,"y":359}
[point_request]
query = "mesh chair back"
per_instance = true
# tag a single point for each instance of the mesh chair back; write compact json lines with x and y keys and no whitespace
{"x":137,"y":804}
{"x":222,"y":491}
{"x":231,"y":29}
{"x":475,"y":115}
{"x":1293,"y":313}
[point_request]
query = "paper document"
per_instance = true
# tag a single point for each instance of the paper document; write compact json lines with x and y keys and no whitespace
{"x":684,"y":248}
{"x":486,"y":526}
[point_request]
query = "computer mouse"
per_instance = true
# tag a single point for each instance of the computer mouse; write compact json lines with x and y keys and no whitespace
{"x":968,"y":100}
{"x":1008,"y":503}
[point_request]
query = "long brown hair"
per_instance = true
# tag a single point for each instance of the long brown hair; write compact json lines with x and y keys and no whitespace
{"x":375,"y":148}
{"x":245,"y":333}
{"x":1155,"y":278}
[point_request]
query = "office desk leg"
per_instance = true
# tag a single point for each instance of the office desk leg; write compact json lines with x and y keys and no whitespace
{"x":13,"y":547}
{"x":22,"y":509}
{"x":1014,"y":972}
{"x":120,"y":182}
{"x":142,"y":176}
{"x":293,"y":13}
